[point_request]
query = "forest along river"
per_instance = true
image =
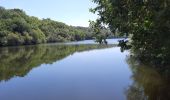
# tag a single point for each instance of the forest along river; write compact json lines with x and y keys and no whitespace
{"x":76,"y":72}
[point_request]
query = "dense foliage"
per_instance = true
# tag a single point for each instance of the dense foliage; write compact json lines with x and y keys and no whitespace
{"x":17,"y":28}
{"x":97,"y":29}
{"x":147,"y":22}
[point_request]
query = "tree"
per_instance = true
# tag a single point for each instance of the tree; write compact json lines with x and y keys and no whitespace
{"x":38,"y":36}
{"x":14,"y":39}
{"x":17,"y":28}
{"x":100,"y":36}
{"x":146,"y":21}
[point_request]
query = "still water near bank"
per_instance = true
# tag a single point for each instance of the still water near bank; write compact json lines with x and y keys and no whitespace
{"x":76,"y":72}
{"x":110,"y":41}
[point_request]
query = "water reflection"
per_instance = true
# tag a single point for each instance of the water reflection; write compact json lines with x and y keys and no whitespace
{"x":88,"y":75}
{"x":105,"y":74}
{"x":18,"y":61}
{"x":148,"y":83}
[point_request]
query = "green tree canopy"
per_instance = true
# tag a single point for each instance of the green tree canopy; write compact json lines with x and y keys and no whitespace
{"x":147,"y":22}
{"x":17,"y":28}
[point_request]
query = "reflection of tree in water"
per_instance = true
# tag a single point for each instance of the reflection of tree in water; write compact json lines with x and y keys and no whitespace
{"x":18,"y":61}
{"x":149,"y":83}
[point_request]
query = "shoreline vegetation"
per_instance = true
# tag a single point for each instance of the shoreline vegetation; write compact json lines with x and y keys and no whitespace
{"x":145,"y":22}
{"x":17,"y":28}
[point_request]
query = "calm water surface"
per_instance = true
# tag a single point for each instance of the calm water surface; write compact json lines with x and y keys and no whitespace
{"x":76,"y":72}
{"x":110,"y":41}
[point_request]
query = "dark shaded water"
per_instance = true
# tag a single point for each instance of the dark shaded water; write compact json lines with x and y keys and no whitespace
{"x":77,"y":72}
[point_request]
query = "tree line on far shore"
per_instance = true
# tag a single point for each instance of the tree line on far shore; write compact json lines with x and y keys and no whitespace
{"x":17,"y":28}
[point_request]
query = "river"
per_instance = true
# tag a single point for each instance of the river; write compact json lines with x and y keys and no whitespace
{"x":77,"y":71}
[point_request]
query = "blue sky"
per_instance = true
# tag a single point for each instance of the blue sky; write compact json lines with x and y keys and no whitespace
{"x":71,"y":12}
